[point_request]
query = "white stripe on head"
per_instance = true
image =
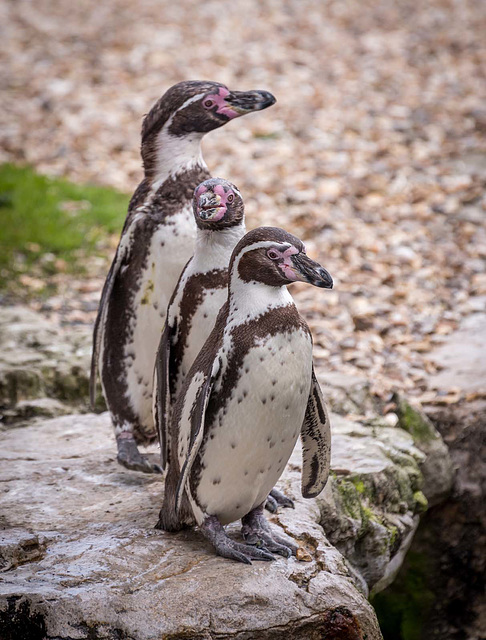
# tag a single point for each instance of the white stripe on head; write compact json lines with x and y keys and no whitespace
{"x":251,"y":247}
{"x":236,"y":190}
{"x":248,"y":300}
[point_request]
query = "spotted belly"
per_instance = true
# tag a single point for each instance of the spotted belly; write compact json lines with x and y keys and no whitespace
{"x":170,"y":248}
{"x":252,"y":437}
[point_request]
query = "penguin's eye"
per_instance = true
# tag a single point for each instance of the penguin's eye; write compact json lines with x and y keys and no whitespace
{"x":230,"y":198}
{"x":272,"y":254}
{"x":208,"y":103}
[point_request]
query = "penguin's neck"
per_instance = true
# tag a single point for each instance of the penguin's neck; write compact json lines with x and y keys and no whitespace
{"x":248,"y":300}
{"x":214,"y":248}
{"x":175,"y":155}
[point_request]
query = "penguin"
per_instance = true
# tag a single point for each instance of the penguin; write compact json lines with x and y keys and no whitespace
{"x":250,"y":391}
{"x":199,"y":295}
{"x":156,"y":242}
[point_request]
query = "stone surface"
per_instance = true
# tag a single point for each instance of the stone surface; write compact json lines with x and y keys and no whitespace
{"x":44,"y":371}
{"x":371,"y":507}
{"x":81,"y":559}
{"x":34,"y":408}
{"x":463,"y":356}
{"x":106,"y":571}
{"x":453,"y":535}
{"x":439,"y":592}
{"x":347,"y":394}
{"x":18,"y":546}
{"x":438,"y":471}
{"x":40,"y":360}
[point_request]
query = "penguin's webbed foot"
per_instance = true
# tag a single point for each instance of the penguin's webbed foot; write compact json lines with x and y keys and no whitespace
{"x":276,"y":499}
{"x":257,"y":531}
{"x":225,"y":546}
{"x":130,"y":457}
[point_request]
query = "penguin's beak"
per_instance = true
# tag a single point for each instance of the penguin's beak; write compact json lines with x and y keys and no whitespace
{"x":306,"y":270}
{"x":210,"y":207}
{"x":246,"y":101}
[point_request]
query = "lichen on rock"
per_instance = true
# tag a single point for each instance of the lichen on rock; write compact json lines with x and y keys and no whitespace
{"x":437,"y":473}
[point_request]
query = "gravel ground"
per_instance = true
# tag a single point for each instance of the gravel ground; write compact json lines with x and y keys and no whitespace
{"x":374,"y":154}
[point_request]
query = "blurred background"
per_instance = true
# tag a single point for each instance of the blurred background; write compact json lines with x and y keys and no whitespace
{"x":375,"y":154}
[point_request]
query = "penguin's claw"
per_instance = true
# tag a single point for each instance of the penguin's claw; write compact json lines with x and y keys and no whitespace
{"x":271,"y":542}
{"x":226,"y":547}
{"x":276,"y":544}
{"x":130,"y":457}
{"x":279,"y":499}
{"x":257,"y":531}
{"x":271,"y":504}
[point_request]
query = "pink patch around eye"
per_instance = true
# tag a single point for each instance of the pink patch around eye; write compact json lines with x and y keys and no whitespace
{"x":291,"y":251}
{"x":223,"y":107}
{"x":288,"y":271}
{"x":218,"y":189}
{"x":286,"y":265}
{"x":200,"y":190}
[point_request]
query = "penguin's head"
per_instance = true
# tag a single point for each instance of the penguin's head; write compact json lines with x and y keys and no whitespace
{"x":217,"y":204}
{"x":275,"y":257}
{"x":192,"y":108}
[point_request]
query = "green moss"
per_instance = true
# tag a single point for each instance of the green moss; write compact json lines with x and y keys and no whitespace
{"x":365,"y":486}
{"x":367,"y":515}
{"x":421,"y":502}
{"x":404,"y":485}
{"x":393,"y":535}
{"x":44,"y":220}
{"x":403,"y":608}
{"x":354,"y":503}
{"x":414,"y":421}
{"x":359,"y":485}
{"x":349,"y":498}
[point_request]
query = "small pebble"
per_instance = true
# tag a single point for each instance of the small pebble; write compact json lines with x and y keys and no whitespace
{"x":302,"y":555}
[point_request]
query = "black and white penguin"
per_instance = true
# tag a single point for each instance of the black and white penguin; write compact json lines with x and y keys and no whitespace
{"x":248,"y":395}
{"x":199,"y":295}
{"x":156,"y":242}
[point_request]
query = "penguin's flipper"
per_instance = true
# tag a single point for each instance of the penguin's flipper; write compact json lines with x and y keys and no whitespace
{"x":162,"y":390}
{"x":316,"y":443}
{"x":197,"y":414}
{"x":121,"y":258}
